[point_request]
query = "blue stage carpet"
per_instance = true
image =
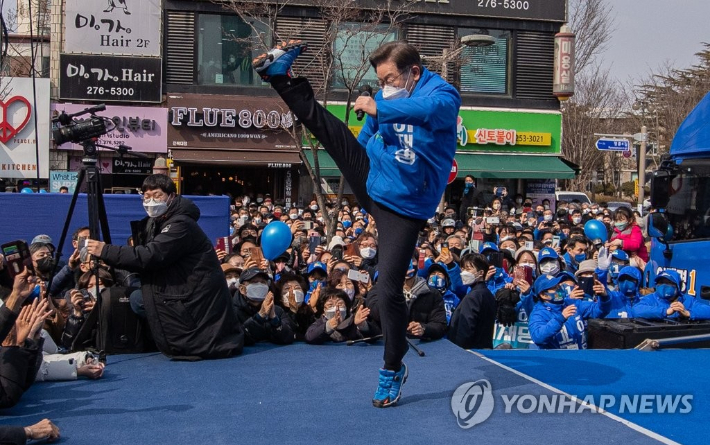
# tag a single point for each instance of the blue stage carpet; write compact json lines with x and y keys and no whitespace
{"x":630,"y":372}
{"x":303,"y":394}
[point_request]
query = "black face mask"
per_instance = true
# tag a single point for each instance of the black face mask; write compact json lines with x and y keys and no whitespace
{"x":45,"y":265}
{"x":250,"y":238}
{"x":456,"y":250}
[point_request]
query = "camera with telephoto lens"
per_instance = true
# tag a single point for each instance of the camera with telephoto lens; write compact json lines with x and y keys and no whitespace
{"x":79,"y":130}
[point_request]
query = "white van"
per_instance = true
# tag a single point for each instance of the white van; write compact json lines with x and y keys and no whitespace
{"x":567,"y":196}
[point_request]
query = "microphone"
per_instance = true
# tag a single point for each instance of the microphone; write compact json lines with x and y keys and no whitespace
{"x":366,"y":91}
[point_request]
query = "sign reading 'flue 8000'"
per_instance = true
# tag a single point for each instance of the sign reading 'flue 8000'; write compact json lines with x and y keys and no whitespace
{"x":110,"y":79}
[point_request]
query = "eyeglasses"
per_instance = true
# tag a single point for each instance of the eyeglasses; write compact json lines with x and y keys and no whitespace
{"x":392,"y":79}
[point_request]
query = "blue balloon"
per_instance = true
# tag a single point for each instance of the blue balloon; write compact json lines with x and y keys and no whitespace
{"x":275,"y":239}
{"x":595,"y":231}
{"x":27,"y":190}
{"x":43,"y":191}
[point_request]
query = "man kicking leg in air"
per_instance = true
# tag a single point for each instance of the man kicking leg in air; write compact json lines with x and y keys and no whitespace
{"x":397,"y":167}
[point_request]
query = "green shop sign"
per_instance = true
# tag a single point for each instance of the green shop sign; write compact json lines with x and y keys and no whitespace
{"x":492,"y":131}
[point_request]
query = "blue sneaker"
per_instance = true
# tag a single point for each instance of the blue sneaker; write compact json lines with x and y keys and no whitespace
{"x":278,"y":61}
{"x":389,"y":389}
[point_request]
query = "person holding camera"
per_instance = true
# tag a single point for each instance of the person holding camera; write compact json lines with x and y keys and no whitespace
{"x":186,"y":299}
{"x":473,"y":320}
{"x":472,"y":197}
{"x":559,"y":322}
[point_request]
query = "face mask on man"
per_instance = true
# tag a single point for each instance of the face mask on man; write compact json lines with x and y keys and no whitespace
{"x":293,"y":216}
{"x":577,"y":219}
{"x":390,"y":92}
{"x":437,"y":282}
{"x":581,"y":257}
{"x":666,"y":291}
{"x":368,"y":253}
{"x":155,"y":208}
{"x":627,"y":287}
{"x":45,"y":265}
{"x":347,"y":224}
{"x":550,"y":267}
{"x":257,"y":291}
{"x":314,"y":207}
{"x":547,"y":218}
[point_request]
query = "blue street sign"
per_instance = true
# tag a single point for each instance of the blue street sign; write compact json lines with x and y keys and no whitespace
{"x":612,"y":144}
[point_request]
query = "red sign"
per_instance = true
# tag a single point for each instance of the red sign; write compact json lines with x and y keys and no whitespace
{"x":454,"y":172}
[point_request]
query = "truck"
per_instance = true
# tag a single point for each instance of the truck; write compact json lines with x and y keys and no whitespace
{"x":680,"y":196}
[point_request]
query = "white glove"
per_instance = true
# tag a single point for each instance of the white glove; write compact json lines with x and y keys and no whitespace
{"x":604,"y":259}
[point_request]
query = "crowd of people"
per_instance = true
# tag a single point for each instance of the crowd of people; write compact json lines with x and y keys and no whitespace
{"x":482,"y":274}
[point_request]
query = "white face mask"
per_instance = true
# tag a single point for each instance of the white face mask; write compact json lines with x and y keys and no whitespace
{"x":297,"y":295}
{"x":550,"y":267}
{"x":155,"y":208}
{"x":233,"y":282}
{"x":390,"y":92}
{"x":92,"y":291}
{"x":468,"y":278}
{"x":576,"y":220}
{"x":350,"y":293}
{"x":496,"y":206}
{"x":314,"y":207}
{"x":293,"y":215}
{"x":257,"y":291}
{"x":547,"y":218}
{"x":368,"y":253}
{"x":330,"y":313}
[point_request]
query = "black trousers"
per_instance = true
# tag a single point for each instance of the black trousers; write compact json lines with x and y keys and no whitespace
{"x":398,"y":234}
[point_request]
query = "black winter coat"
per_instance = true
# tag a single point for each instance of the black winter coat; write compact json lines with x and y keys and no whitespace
{"x":427,"y":308}
{"x":473,"y":319}
{"x":186,"y":298}
{"x":278,"y":330}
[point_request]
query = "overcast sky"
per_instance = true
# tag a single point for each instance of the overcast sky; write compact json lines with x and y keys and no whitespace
{"x":649,"y":33}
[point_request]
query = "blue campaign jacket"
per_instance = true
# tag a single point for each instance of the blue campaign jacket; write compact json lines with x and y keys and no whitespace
{"x":411,"y":145}
{"x":549,"y":330}
{"x":622,"y":306}
{"x":653,"y":307}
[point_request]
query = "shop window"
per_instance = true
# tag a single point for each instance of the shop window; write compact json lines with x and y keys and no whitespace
{"x":352,"y":49}
{"x":485,"y":69}
{"x":226,"y":49}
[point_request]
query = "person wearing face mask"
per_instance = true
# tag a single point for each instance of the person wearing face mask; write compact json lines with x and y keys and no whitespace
{"x":627,"y":296}
{"x":290,"y":295}
{"x":256,"y":309}
{"x":438,"y":278}
{"x":627,"y":235}
{"x":186,"y":298}
{"x":335,"y":321}
{"x":409,"y":134}
{"x":426,"y":313}
{"x":496,"y":277}
{"x":472,"y":197}
{"x":576,"y":252}
{"x":472,"y":323}
{"x":231,"y":274}
{"x":668,"y":301}
{"x":511,"y":325}
{"x":576,"y":218}
{"x":558,"y":322}
{"x":549,"y":261}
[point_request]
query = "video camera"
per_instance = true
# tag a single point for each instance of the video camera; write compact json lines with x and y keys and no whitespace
{"x":80,"y":130}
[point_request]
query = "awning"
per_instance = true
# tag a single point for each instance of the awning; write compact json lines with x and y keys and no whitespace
{"x":513,"y":166}
{"x":328,"y":168}
{"x":233,"y":157}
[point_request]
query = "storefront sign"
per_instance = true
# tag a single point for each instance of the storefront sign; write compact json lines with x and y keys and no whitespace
{"x":19,"y":142}
{"x":133,"y":165}
{"x":59,"y":179}
{"x":493,"y":131}
{"x":229,"y":123}
{"x":108,"y":78}
{"x":141,"y":128}
{"x":288,"y":189}
{"x":563,"y":79}
{"x":543,"y":10}
{"x":121,"y":27}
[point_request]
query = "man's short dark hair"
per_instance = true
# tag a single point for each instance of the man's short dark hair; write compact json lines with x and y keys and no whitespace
{"x":400,"y":52}
{"x":158,"y":181}
{"x":574,"y":240}
{"x":477,"y":260}
{"x":75,"y":235}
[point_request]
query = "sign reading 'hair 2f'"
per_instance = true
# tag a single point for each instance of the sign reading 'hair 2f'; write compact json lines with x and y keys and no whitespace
{"x":117,"y":27}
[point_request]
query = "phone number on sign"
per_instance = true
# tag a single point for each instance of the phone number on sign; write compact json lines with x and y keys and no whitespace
{"x":523,"y":5}
{"x":113,"y":91}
